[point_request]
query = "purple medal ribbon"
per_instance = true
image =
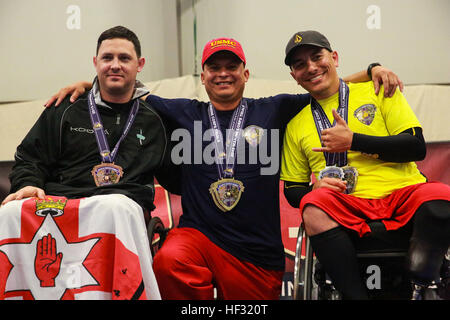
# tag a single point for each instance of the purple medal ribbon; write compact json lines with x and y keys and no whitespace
{"x":102,"y":142}
{"x":236,"y":125}
{"x":322,"y":122}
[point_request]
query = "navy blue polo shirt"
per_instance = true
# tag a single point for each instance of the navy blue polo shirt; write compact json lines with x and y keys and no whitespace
{"x":251,"y":231}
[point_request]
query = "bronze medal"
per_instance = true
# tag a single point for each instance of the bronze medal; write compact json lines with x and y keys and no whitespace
{"x":106,"y":174}
{"x":226,"y":193}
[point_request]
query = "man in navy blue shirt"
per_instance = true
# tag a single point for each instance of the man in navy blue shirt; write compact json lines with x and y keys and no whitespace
{"x":234,"y":242}
{"x":229,"y":235}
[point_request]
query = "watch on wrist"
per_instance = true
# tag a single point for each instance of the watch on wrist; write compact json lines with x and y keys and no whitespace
{"x":369,"y":69}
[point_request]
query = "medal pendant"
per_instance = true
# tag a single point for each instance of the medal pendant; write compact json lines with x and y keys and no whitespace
{"x":226,"y":193}
{"x":106,"y":174}
{"x":351,"y":176}
{"x":331,"y":172}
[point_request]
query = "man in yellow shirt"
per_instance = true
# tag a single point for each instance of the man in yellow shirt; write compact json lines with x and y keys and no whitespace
{"x":360,"y":147}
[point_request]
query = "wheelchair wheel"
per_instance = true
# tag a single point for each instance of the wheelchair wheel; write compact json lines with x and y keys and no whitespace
{"x":303,"y":268}
{"x":298,"y":272}
{"x":156,"y":234}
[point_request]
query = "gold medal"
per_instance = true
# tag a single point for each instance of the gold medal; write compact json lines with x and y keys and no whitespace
{"x":226,"y":193}
{"x":106,"y":174}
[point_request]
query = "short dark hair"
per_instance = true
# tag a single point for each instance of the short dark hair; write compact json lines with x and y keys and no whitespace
{"x":121,"y":33}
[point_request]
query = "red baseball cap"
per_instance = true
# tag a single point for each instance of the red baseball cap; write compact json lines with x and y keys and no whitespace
{"x":222,"y":44}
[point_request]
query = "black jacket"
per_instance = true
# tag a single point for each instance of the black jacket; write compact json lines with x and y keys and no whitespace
{"x":60,"y":150}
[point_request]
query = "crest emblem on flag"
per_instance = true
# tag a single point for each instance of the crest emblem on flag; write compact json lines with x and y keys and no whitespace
{"x":66,"y":249}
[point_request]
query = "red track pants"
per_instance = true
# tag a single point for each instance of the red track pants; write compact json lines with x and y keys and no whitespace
{"x":188,"y":266}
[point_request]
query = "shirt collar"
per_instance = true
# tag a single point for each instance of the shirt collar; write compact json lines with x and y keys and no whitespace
{"x":139,"y":91}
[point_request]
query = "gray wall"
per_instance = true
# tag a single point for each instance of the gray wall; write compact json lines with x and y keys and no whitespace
{"x":410,"y":36}
{"x":49,"y":43}
{"x":46,"y":44}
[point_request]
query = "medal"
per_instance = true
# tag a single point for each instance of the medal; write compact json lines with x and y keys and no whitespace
{"x":106,"y":173}
{"x":347,"y":173}
{"x":331,"y":172}
{"x":351,"y":176}
{"x":226,"y":193}
{"x":336,"y":163}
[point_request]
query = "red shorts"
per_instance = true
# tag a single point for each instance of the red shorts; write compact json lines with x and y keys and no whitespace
{"x":188,"y":267}
{"x":394,"y":211}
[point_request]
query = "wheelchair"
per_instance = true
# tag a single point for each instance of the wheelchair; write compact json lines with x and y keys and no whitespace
{"x":156,"y":233}
{"x":312,"y":283}
{"x":156,"y":230}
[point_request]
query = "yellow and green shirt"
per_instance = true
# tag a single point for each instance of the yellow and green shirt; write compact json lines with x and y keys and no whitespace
{"x":368,"y":114}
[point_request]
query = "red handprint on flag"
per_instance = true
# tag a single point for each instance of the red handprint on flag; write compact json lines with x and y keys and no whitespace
{"x":47,"y":262}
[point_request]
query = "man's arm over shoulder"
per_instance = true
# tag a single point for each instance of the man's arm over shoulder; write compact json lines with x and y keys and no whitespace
{"x":289,"y":104}
{"x":171,"y":109}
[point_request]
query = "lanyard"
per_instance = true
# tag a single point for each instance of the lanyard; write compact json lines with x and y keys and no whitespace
{"x":322,"y":122}
{"x":235,"y":126}
{"x":103,"y":146}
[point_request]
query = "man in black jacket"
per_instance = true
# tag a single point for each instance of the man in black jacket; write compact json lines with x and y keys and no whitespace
{"x":103,"y":150}
{"x":61,"y":150}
